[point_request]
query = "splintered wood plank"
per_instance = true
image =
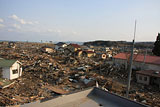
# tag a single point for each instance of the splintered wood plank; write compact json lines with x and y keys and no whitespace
{"x":56,"y":90}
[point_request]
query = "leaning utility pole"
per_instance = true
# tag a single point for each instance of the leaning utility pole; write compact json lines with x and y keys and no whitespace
{"x":131,"y":61}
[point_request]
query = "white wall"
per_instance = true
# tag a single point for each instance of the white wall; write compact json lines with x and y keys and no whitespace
{"x":20,"y":72}
{"x":15,"y":66}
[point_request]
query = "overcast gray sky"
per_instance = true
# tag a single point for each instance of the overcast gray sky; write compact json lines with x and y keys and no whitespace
{"x":79,"y":20}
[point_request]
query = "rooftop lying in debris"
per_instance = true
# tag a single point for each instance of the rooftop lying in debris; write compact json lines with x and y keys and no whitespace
{"x":93,"y":97}
{"x":75,"y":45}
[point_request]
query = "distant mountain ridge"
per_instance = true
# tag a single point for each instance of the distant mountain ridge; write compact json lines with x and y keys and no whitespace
{"x":119,"y":43}
{"x":68,"y":42}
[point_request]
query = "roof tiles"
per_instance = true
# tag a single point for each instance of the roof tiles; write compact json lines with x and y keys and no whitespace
{"x":149,"y":73}
{"x":139,"y":58}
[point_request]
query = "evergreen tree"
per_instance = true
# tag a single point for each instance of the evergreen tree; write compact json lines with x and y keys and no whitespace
{"x":156,"y":49}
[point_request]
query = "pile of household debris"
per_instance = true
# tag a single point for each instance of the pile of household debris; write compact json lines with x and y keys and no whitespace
{"x":46,"y":75}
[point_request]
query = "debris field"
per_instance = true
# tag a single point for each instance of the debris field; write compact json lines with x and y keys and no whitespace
{"x":47,"y":75}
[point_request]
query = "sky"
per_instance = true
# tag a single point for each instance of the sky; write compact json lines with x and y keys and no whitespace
{"x":79,"y":20}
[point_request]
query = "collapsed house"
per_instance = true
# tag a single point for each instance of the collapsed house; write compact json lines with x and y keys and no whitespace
{"x":60,"y":46}
{"x":88,"y":53}
{"x":143,"y":62}
{"x":11,"y":45}
{"x":77,"y":50}
{"x":10,"y":69}
{"x":47,"y":49}
{"x":74,"y":47}
{"x":148,"y":77}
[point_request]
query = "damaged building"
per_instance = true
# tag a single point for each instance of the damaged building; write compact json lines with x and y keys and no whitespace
{"x":11,"y":69}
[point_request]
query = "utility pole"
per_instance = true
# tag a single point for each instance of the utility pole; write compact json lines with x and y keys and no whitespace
{"x":145,"y":56}
{"x":131,"y":61}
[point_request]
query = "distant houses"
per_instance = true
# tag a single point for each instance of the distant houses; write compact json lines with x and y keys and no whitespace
{"x":10,"y":69}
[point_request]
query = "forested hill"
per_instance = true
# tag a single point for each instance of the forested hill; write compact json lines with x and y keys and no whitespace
{"x":106,"y":43}
{"x":119,"y":43}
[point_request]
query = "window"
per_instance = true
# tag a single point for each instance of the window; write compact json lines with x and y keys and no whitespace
{"x":140,"y":77}
{"x":15,"y":71}
{"x":145,"y":78}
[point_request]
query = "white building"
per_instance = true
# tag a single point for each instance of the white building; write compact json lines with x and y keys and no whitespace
{"x":144,"y":62}
{"x":10,"y":69}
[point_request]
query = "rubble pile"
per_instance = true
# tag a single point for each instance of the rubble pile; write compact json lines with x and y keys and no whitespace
{"x":46,"y":75}
{"x":26,"y":89}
